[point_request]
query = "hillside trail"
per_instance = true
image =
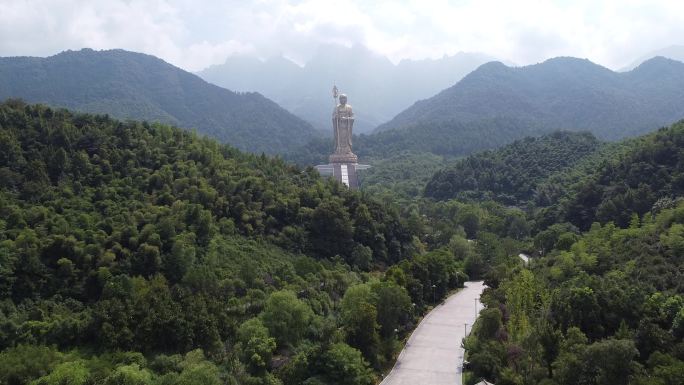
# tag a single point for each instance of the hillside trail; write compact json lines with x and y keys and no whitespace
{"x":433,"y":354}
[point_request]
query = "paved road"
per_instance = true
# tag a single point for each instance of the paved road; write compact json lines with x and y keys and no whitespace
{"x":433,"y":354}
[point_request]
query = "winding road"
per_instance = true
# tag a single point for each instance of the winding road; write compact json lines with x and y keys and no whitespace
{"x":433,"y":354}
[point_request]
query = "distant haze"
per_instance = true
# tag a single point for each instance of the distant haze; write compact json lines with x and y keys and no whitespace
{"x":377,"y":88}
{"x":195,"y":35}
{"x":675,"y":52}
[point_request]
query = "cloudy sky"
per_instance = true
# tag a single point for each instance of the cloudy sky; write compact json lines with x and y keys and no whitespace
{"x":194,"y":34}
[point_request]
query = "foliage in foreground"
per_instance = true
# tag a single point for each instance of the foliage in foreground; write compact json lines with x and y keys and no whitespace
{"x":138,"y":254}
{"x":607,"y":308}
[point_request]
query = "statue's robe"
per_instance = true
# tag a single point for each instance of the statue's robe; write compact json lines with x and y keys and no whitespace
{"x":343,"y":121}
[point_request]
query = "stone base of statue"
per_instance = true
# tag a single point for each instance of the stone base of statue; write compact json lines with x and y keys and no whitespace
{"x":343,"y":168}
{"x":343,"y":158}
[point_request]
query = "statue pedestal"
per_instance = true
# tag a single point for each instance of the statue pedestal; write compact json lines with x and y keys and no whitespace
{"x":343,"y":168}
{"x":343,"y":158}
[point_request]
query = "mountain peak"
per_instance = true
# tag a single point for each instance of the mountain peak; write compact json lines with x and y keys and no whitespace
{"x":675,"y":52}
{"x":659,"y":62}
{"x":657,"y":72}
{"x":493,"y":65}
{"x":559,"y":93}
{"x":572,"y":65}
{"x":565,"y":60}
{"x":133,"y":85}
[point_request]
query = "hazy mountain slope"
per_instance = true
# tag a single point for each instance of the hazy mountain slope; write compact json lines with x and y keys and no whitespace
{"x":674,"y":52}
{"x":133,"y":85}
{"x":377,"y":88}
{"x":561,"y":93}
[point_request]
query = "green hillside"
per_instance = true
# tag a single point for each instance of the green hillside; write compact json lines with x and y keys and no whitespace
{"x":445,"y":139}
{"x":136,"y":86}
{"x":572,"y":177}
{"x":634,"y":178}
{"x":511,"y":173}
{"x":605,"y":307}
{"x":602,"y":301}
{"x":136,"y":253}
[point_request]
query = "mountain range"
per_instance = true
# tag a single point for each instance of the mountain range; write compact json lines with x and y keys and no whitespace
{"x":378,"y":88}
{"x":498,"y":104}
{"x":132,"y":85}
{"x":560,"y":93}
{"x":492,"y":106}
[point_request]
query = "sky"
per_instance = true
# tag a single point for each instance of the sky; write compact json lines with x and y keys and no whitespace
{"x":194,"y":34}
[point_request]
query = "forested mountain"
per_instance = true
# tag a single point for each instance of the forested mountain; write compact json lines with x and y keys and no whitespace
{"x":137,"y":86}
{"x":561,"y":93}
{"x":572,"y":177}
{"x":377,"y":88}
{"x":141,"y":253}
{"x":511,"y":174}
{"x":634,"y":178}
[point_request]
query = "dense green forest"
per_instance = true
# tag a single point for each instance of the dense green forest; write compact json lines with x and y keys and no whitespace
{"x":603,"y":301}
{"x":138,"y":253}
{"x":571,"y":177}
{"x":560,"y":93}
{"x":511,"y":174}
{"x":604,"y":307}
{"x":402,"y":176}
{"x":135,"y":253}
{"x":131,"y":85}
{"x":626,"y":179}
{"x":445,"y":139}
{"x":403,"y":161}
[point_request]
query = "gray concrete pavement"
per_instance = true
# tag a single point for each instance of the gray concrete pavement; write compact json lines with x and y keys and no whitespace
{"x":433,"y":354}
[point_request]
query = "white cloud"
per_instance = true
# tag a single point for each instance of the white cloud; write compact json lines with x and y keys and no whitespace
{"x":156,"y":27}
{"x":194,"y":34}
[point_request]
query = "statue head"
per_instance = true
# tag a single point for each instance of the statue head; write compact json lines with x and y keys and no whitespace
{"x":343,"y":99}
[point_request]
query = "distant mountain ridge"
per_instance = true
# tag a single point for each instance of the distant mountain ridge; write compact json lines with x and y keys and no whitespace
{"x":561,"y":93}
{"x":132,"y":85}
{"x":377,"y":88}
{"x":674,"y":52}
